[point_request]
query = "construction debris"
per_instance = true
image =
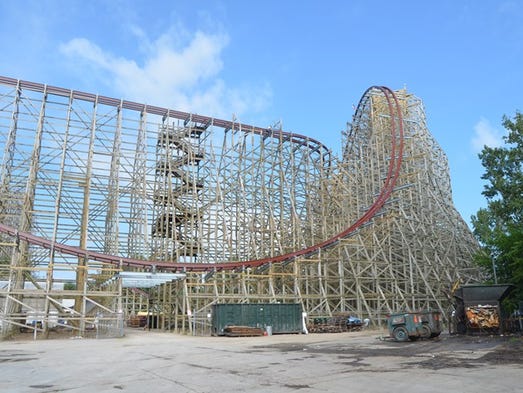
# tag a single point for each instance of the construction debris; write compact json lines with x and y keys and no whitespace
{"x":483,"y":317}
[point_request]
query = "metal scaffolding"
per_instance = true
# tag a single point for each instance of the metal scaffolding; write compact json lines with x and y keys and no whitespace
{"x":92,"y":186}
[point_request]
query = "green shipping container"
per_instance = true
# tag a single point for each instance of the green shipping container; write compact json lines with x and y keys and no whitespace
{"x":284,"y":318}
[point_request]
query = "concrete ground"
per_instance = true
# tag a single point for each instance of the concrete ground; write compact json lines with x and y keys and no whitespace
{"x":342,"y":362}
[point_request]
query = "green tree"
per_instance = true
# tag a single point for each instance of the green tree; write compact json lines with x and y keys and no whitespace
{"x":499,"y":226}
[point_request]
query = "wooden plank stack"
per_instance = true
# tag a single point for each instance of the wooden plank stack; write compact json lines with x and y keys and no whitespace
{"x":242,"y":331}
{"x":335,"y":324}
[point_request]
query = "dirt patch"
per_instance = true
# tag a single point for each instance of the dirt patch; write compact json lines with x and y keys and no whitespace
{"x":442,"y":362}
{"x":11,"y":356}
{"x":297,"y":387}
{"x":505,"y":352}
{"x":510,"y":352}
{"x":439,"y":353}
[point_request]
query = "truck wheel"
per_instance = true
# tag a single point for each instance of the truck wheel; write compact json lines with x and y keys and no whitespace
{"x":400,"y":334}
{"x":425,"y":331}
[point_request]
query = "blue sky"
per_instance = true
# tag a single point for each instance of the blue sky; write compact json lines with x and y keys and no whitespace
{"x":304,"y":63}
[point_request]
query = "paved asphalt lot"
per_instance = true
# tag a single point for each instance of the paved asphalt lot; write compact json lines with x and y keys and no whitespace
{"x":344,"y":362}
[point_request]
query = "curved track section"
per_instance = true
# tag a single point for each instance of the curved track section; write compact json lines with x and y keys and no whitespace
{"x":394,"y":115}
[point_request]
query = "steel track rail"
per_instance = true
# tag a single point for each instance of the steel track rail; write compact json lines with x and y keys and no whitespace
{"x":393,"y":170}
{"x":313,"y":144}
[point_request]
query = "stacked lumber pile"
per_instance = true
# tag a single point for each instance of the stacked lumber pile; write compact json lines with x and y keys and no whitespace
{"x":136,"y":321}
{"x":324,"y":328}
{"x":242,"y":331}
{"x":338,"y":323}
{"x":483,"y":317}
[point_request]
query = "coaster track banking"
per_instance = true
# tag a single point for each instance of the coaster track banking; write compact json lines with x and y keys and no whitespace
{"x":393,"y":170}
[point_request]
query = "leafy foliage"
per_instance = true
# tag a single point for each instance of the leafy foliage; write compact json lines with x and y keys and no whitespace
{"x":69,"y":286}
{"x":499,"y":226}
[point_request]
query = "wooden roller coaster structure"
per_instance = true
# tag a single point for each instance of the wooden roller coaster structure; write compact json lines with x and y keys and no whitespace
{"x":92,"y":186}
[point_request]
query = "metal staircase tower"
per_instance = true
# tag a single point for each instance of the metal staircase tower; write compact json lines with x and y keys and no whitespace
{"x":178,"y":184}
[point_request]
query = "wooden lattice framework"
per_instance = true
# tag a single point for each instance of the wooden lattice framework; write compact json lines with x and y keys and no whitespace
{"x":248,"y":214}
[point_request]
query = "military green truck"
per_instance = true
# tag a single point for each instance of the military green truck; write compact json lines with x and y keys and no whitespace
{"x":414,"y":325}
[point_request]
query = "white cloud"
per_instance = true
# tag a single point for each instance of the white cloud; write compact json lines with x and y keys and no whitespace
{"x":182,"y":76}
{"x":486,"y":135}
